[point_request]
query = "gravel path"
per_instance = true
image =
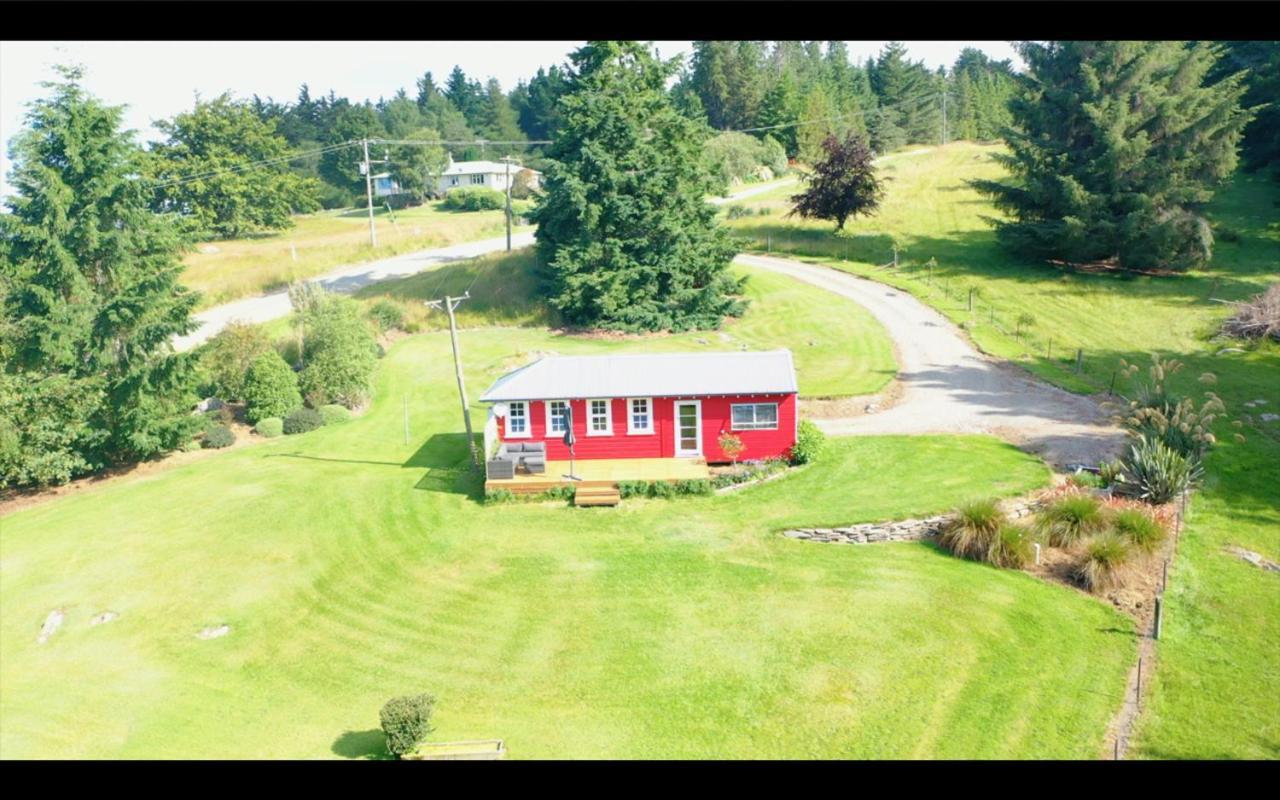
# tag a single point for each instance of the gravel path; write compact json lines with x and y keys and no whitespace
{"x":947,"y":386}
{"x":345,"y":279}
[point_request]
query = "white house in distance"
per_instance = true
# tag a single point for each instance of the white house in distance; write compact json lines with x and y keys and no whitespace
{"x":490,"y":174}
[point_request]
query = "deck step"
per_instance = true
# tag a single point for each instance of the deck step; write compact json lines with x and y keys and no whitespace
{"x":596,"y":496}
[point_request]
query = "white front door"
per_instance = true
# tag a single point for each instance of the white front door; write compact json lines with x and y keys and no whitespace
{"x":688,"y":427}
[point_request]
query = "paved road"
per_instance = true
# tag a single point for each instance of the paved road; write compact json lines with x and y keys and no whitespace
{"x":348,"y":279}
{"x":950,"y":387}
{"x":345,"y":279}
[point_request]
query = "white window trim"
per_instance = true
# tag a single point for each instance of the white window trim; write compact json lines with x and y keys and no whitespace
{"x":528,"y":420}
{"x":633,"y":431}
{"x":608,"y":416}
{"x":546,"y":405}
{"x":734,"y":425}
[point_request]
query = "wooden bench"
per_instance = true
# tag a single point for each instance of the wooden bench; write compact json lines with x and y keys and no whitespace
{"x":478,"y":750}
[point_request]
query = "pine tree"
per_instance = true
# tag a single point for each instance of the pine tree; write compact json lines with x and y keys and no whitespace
{"x":783,"y":105}
{"x":90,"y":276}
{"x":624,"y":231}
{"x":1118,"y":146}
{"x":498,"y":121}
{"x":1261,"y":144}
{"x":908,"y":92}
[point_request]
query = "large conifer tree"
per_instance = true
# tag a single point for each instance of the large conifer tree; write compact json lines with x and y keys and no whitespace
{"x":91,"y":298}
{"x":1116,"y":147}
{"x":626,"y":235}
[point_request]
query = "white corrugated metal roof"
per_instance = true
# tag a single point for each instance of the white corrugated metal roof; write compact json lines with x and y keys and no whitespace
{"x":648,"y":375}
{"x":481,"y":167}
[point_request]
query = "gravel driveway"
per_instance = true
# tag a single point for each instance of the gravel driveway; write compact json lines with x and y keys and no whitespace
{"x":947,"y":386}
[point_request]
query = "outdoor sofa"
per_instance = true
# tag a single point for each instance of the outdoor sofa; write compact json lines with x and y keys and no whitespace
{"x":511,"y":455}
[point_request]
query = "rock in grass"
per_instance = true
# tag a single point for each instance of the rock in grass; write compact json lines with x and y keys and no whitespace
{"x":214,"y":632}
{"x":51,"y":625}
{"x":105,"y":616}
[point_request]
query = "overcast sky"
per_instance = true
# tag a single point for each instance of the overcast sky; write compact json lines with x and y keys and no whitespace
{"x":156,"y":80}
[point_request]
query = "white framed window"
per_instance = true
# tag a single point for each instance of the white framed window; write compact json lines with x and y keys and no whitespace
{"x":754,"y":416}
{"x":556,"y":416}
{"x":453,"y":181}
{"x":518,"y":420}
{"x":477,"y":179}
{"x":639,"y":415}
{"x":599,"y":417}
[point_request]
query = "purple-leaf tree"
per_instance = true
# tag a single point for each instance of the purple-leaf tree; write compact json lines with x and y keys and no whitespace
{"x":843,"y":184}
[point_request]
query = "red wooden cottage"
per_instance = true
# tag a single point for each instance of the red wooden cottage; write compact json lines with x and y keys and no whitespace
{"x":653,"y":405}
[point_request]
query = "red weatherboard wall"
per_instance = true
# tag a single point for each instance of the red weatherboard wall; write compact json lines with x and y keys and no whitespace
{"x":662,"y":442}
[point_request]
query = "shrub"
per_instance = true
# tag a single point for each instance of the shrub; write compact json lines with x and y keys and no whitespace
{"x":499,"y":496}
{"x":693,"y":487}
{"x":633,"y":489}
{"x":339,"y":351}
{"x":737,"y":212}
{"x":406,"y":721}
{"x":270,"y":427}
{"x":1071,"y":519}
{"x":302,"y":420}
{"x":558,"y":493}
{"x":662,"y":489}
{"x":1141,"y":529}
{"x":972,"y":532}
{"x":229,"y":355}
{"x":1157,"y":474}
{"x":1110,"y":473}
{"x":270,"y":388}
{"x":333,"y":414}
{"x":1011,"y":547}
{"x":387,"y":315}
{"x":218,"y":436}
{"x":1105,"y":563}
{"x":731,"y":445}
{"x":474,"y":198}
{"x":809,"y":442}
{"x":1085,"y":480}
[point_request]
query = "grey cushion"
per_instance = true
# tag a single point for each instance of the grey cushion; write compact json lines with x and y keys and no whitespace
{"x":535,"y":447}
{"x":515,"y":447}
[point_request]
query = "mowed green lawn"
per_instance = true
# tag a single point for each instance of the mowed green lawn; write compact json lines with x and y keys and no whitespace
{"x":317,"y":243}
{"x":839,"y":347}
{"x":1217,"y":687}
{"x":353,"y":566}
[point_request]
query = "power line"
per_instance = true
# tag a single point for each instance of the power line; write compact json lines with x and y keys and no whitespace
{"x":242,"y":167}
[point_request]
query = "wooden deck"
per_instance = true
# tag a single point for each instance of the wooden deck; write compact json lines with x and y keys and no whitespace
{"x":604,"y":472}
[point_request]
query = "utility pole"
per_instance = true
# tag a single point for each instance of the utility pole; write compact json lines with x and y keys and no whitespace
{"x":507,"y":160}
{"x":449,"y":304}
{"x":368,"y":191}
{"x":944,"y":117}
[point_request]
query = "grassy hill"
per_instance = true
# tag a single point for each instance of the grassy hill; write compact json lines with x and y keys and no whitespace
{"x":352,"y":566}
{"x":228,"y":270}
{"x":1217,"y":690}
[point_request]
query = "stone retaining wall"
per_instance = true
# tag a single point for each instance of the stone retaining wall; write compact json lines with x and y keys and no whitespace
{"x":904,"y":530}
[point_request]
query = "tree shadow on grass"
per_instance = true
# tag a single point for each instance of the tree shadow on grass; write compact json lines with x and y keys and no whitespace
{"x":447,"y":462}
{"x":369,"y":745}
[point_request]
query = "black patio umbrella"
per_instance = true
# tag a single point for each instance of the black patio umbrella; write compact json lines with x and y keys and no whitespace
{"x":569,"y":439}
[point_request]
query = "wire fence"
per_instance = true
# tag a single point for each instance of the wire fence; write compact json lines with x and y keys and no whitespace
{"x":955,"y":294}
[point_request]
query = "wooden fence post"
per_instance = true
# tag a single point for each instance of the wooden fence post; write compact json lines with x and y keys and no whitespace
{"x":1079,"y":359}
{"x":1159,"y":615}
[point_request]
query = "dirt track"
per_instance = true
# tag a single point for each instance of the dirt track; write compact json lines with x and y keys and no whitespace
{"x":947,"y":386}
